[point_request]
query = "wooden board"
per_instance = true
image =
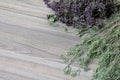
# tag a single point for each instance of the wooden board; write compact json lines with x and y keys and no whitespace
{"x":30,"y":48}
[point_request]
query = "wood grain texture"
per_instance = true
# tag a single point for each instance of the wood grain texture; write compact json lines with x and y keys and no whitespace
{"x":29,"y":47}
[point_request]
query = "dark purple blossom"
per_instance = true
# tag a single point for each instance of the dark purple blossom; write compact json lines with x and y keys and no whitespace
{"x":80,"y":12}
{"x":46,"y":1}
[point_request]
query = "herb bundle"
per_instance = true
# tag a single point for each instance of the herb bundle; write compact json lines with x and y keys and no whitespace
{"x":105,"y":46}
{"x":103,"y":41}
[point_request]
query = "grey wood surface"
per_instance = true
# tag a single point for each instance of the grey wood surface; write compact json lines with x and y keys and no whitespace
{"x":30,"y":48}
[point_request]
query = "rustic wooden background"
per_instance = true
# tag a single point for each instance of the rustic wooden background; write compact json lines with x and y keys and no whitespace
{"x":29,"y":46}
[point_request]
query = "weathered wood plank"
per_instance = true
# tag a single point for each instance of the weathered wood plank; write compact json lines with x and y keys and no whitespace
{"x":29,"y":46}
{"x":41,"y":12}
{"x":34,"y":67}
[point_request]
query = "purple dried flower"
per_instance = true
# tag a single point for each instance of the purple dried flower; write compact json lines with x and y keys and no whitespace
{"x":80,"y":12}
{"x":73,"y":7}
{"x":91,"y":21}
{"x":46,"y":1}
